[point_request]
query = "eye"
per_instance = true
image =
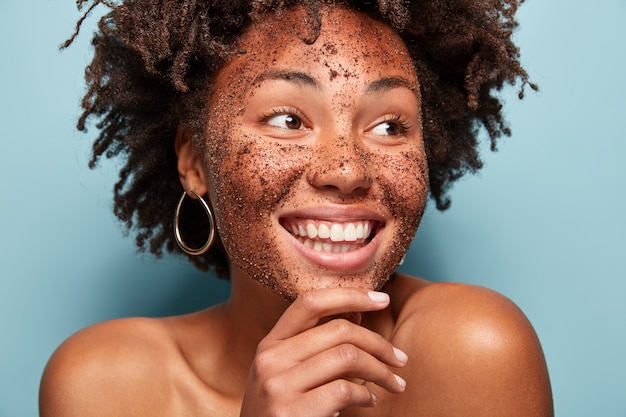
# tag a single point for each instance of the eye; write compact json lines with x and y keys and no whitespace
{"x":285,"y":121}
{"x":392,"y":127}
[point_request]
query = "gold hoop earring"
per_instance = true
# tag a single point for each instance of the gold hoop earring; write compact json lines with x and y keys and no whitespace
{"x":177,"y":235}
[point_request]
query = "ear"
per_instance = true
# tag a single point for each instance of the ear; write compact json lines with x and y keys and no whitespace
{"x":190,"y":167}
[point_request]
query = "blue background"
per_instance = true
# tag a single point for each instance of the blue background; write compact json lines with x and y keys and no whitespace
{"x":543,"y":223}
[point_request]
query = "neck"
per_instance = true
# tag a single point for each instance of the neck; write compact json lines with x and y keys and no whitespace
{"x":254,"y":305}
{"x":248,"y":316}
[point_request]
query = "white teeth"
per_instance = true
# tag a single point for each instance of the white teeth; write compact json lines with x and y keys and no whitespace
{"x":349,"y":233}
{"x":328,"y":237}
{"x":311,"y":231}
{"x":327,"y":247}
{"x":360,"y":231}
{"x":336,"y":233}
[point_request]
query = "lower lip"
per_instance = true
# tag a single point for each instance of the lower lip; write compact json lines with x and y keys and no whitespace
{"x":347,"y":261}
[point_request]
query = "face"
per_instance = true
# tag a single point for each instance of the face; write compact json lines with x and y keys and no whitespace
{"x":314,"y":154}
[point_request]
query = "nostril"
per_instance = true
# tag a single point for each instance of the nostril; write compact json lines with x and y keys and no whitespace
{"x":342,"y":176}
{"x":341,"y":165}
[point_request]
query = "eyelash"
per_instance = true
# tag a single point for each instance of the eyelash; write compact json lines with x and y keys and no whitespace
{"x":403,"y":123}
{"x":283,"y":111}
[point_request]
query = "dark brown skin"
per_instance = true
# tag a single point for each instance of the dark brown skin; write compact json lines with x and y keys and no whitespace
{"x":471,"y":353}
{"x":335,"y":166}
{"x":414,"y":349}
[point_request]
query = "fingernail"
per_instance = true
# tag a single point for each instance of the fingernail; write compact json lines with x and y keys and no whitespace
{"x":378,"y":297}
{"x":400,"y":381}
{"x":400,"y":355}
{"x":374,"y":397}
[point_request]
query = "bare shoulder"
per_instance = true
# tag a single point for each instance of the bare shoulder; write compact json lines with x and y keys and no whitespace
{"x":472,"y":352}
{"x":103,"y":370}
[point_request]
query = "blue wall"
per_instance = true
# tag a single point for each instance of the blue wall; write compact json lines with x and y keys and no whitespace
{"x":543,"y":223}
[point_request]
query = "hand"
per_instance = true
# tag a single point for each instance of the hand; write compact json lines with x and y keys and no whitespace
{"x":306,"y":369}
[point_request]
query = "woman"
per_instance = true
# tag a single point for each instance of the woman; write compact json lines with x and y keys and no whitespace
{"x":304,"y":134}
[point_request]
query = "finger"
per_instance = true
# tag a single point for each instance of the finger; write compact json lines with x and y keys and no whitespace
{"x":340,"y":362}
{"x":334,"y":333}
{"x":330,"y":399}
{"x":351,"y":317}
{"x":309,"y":308}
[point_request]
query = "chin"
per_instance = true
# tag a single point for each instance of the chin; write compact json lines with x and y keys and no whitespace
{"x":373,"y":279}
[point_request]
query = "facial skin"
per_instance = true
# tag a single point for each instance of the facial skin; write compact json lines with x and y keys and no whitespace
{"x":309,"y":140}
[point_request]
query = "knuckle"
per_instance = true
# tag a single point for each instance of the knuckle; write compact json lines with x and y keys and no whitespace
{"x":348,"y":354}
{"x":263,"y":345}
{"x":264,"y":363}
{"x":343,"y":391}
{"x":271,"y":387}
{"x":342,"y":327}
{"x":308,"y":300}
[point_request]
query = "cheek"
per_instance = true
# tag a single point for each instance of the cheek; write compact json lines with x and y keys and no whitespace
{"x":404,"y":182}
{"x":255,"y":174}
{"x":249,"y":178}
{"x":404,"y":188}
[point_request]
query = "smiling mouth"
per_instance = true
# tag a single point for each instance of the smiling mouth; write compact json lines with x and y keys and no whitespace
{"x":331,"y":237}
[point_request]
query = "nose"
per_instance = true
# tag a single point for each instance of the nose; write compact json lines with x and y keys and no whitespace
{"x":340,"y":165}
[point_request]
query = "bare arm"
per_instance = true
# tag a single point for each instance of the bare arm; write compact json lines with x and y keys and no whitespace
{"x":472,"y":353}
{"x":103,"y":371}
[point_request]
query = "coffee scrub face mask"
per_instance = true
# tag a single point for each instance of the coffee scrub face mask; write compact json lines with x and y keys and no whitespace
{"x":314,"y":154}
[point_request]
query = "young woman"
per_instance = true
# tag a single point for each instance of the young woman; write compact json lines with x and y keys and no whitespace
{"x":306,"y":138}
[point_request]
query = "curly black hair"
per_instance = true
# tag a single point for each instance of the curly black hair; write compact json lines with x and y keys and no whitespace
{"x":153,"y":61}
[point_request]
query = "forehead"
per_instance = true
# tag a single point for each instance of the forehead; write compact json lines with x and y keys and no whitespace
{"x":350,"y":45}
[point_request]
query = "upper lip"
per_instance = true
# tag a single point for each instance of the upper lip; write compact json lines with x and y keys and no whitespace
{"x":335,"y":214}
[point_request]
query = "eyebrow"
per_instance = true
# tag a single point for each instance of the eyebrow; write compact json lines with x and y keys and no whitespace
{"x":303,"y":79}
{"x":389,"y":83}
{"x":296,"y":77}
